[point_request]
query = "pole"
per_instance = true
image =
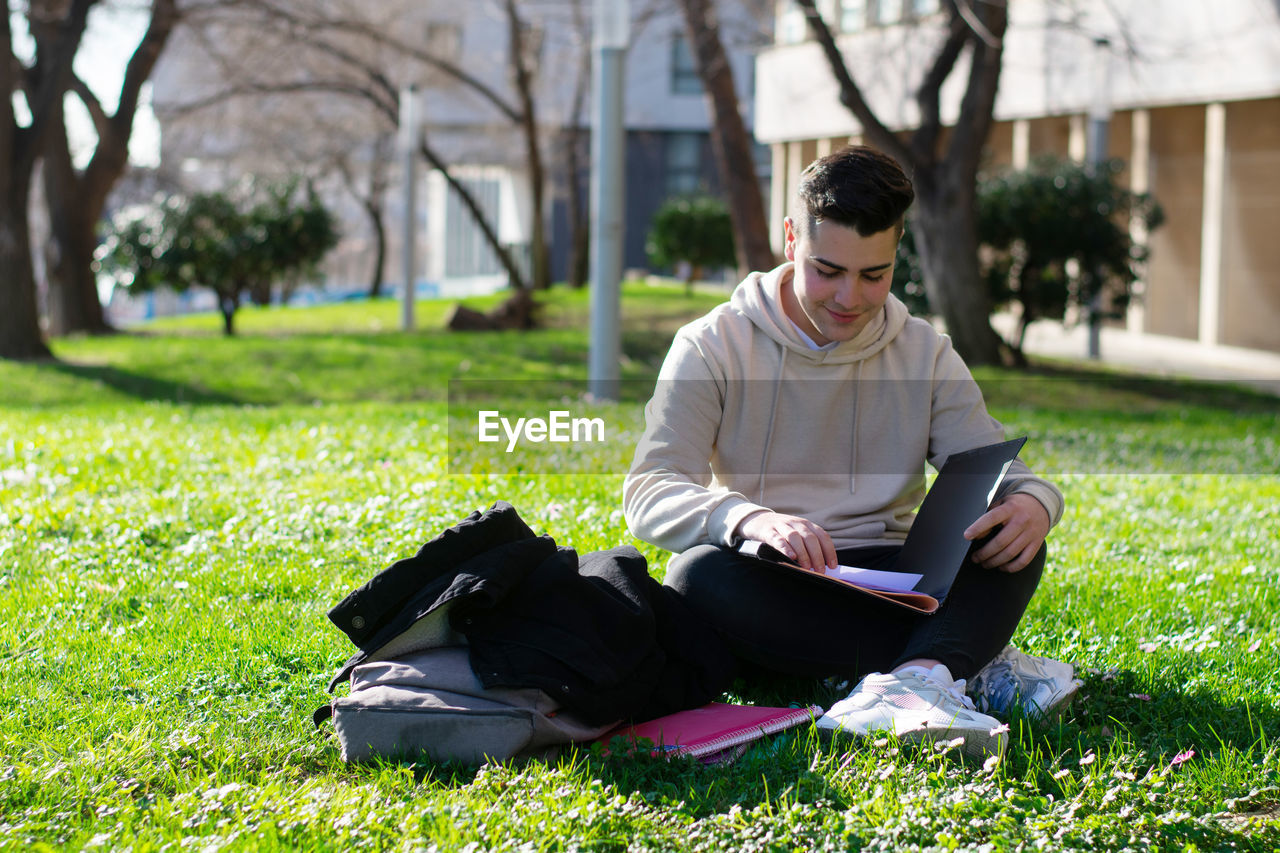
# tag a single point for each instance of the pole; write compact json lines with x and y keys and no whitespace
{"x":1099,"y":133}
{"x":409,"y":221}
{"x":612,"y":24}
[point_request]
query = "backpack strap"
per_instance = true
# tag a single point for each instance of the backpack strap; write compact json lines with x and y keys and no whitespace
{"x":319,"y":715}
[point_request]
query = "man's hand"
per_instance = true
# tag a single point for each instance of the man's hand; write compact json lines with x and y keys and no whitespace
{"x":797,"y":538}
{"x":1023,"y":523}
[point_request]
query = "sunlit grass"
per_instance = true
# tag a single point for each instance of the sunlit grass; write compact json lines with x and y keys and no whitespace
{"x":179,"y":511}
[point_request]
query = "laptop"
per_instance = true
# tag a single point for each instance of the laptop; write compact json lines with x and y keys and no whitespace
{"x":935,"y":547}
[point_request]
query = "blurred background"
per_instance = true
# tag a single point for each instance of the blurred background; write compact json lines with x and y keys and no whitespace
{"x":1095,"y":163}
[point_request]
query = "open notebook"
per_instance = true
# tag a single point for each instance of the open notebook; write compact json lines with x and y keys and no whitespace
{"x":935,"y":547}
{"x":715,"y":733}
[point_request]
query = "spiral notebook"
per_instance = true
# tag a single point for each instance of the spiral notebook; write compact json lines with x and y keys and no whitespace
{"x":716,"y":732}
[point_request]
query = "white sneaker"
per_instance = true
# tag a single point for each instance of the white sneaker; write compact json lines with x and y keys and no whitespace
{"x":916,"y":704}
{"x":1041,"y":687}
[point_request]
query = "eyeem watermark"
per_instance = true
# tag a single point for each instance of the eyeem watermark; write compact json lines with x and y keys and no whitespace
{"x":558,"y":426}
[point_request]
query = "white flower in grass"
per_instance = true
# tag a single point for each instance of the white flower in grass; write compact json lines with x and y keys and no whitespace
{"x":991,"y":764}
{"x":1088,"y":758}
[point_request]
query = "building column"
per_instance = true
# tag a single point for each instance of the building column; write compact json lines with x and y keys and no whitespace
{"x":1139,"y":182}
{"x":1078,"y":138}
{"x":778,"y":189}
{"x":825,"y":146}
{"x":1215,"y":180}
{"x":1021,"y":153}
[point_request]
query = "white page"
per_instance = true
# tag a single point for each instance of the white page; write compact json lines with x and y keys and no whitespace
{"x":891,"y":581}
{"x":895,"y":581}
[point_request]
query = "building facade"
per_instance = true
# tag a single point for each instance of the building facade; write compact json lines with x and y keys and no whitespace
{"x":667,"y":121}
{"x":1191,"y":91}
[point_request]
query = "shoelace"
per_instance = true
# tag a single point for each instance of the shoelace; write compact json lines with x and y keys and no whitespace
{"x":1000,"y":686}
{"x":955,"y":690}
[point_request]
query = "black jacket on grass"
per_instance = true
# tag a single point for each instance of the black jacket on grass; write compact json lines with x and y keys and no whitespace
{"x":595,"y":632}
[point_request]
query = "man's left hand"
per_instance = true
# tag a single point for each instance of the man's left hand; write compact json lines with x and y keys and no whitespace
{"x":1023,"y":524}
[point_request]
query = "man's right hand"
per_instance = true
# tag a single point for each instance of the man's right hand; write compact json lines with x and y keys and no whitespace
{"x":797,"y":538}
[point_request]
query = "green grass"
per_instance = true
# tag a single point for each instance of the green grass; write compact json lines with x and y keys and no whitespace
{"x":179,"y":511}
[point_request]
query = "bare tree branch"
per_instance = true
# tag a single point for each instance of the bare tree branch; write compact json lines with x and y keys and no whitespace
{"x":101,"y":121}
{"x":929,"y":95}
{"x":850,"y":94}
{"x":477,"y":213}
{"x":376,"y":98}
{"x":384,"y":40}
{"x":977,"y":107}
{"x":980,"y":29}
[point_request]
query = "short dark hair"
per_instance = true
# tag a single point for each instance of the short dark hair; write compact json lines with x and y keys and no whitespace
{"x":858,"y":187}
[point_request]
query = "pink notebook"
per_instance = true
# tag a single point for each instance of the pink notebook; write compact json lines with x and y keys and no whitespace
{"x":715,"y":732}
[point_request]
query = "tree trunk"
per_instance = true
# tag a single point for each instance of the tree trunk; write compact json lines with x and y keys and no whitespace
{"x":947,"y":240}
{"x":76,"y":200}
{"x":729,"y":139}
{"x":20,"y":336}
{"x":74,"y":305}
{"x":539,"y":257}
{"x":373,"y":206}
{"x":574,"y":141}
{"x":228,"y":305}
{"x":379,"y":248}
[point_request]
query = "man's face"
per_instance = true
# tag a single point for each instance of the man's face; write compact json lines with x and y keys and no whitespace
{"x":841,"y":278}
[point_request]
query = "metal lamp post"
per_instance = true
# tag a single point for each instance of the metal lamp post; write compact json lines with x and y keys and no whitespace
{"x":1099,"y":131}
{"x":409,"y":223}
{"x":612,"y":30}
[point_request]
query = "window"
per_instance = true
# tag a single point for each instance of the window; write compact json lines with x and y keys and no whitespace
{"x":684,"y":72}
{"x":444,"y":40}
{"x":853,"y":15}
{"x":684,"y":163}
{"x":532,"y":38}
{"x":889,"y":12}
{"x":792,"y":27}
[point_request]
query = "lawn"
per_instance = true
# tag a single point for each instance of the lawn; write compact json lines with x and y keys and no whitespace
{"x":178,"y":511}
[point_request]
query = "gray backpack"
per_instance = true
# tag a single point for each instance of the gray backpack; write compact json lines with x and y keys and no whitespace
{"x":419,"y":698}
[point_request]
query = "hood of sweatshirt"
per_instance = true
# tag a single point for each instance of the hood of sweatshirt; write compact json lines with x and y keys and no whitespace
{"x":759,"y":297}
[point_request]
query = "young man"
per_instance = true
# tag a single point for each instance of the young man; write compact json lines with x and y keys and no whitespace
{"x":801,"y":414}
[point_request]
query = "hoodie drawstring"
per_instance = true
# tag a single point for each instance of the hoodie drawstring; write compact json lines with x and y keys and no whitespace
{"x":768,"y":433}
{"x":853,"y":451}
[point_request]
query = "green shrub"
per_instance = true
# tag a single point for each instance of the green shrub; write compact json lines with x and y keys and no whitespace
{"x":233,"y":243}
{"x":694,"y":229}
{"x":1054,"y":235}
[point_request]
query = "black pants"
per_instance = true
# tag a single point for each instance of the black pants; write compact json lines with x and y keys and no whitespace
{"x":794,"y":623}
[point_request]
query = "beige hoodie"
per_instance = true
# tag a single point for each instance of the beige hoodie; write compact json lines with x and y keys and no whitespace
{"x":746,"y":416}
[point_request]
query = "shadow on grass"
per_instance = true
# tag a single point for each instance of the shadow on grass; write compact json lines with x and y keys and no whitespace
{"x":1077,"y":389}
{"x":1164,"y":718}
{"x":143,"y":386}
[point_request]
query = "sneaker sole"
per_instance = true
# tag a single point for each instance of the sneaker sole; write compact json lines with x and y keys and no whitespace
{"x":1059,"y":705}
{"x":977,"y":744}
